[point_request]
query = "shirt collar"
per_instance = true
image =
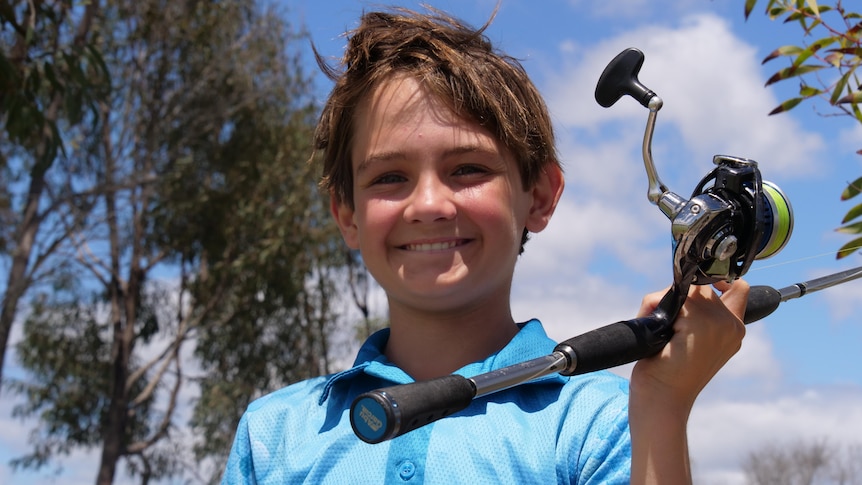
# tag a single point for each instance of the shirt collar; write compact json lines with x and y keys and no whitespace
{"x":529,"y":343}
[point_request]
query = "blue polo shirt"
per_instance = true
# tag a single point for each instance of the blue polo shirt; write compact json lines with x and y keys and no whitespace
{"x":555,"y":429}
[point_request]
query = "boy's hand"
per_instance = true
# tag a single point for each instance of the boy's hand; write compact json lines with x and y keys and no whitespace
{"x":708,"y":332}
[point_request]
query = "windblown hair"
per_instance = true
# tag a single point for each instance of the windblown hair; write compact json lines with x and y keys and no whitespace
{"x":453,"y":61}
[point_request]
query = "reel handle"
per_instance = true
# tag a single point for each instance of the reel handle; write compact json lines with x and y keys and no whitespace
{"x":620,"y":77}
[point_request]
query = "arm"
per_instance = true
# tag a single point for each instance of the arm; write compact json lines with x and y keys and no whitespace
{"x":708,"y":332}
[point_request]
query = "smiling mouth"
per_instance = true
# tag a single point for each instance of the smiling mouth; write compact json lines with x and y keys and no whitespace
{"x":435,"y":246}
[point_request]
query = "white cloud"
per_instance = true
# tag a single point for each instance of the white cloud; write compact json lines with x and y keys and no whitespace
{"x":579,"y":230}
{"x":844,"y":300}
{"x":712,"y":89}
{"x":723,"y":432}
{"x":755,"y":360}
{"x":576,"y":306}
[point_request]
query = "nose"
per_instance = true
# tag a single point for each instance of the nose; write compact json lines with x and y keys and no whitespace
{"x":431,"y":200}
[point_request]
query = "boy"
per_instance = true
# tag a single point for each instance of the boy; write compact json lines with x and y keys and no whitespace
{"x":439,"y":157}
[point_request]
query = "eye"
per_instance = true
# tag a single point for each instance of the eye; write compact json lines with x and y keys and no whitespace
{"x":388,"y":178}
{"x":470,"y":170}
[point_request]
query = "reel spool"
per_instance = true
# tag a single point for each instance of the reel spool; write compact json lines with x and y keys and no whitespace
{"x":780,"y":215}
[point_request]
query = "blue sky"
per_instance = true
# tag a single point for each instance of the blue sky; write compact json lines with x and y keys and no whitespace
{"x":797,"y":376}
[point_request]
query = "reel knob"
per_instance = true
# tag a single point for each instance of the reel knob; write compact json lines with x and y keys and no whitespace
{"x":620,"y":77}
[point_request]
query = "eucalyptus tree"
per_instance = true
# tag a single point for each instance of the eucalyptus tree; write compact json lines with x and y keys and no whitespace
{"x":206,"y":262}
{"x":51,"y":79}
{"x":804,"y":463}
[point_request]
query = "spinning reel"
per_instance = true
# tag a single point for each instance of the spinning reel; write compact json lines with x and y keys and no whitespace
{"x":732,"y":218}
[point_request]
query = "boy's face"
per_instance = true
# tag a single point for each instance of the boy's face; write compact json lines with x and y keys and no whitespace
{"x":439,"y":207}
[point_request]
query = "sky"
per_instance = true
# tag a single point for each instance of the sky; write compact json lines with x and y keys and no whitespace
{"x":797,"y":377}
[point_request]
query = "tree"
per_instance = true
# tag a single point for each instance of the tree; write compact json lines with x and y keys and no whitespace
{"x":51,"y":78}
{"x":803,"y":463}
{"x":199,"y":172}
{"x":832,"y":38}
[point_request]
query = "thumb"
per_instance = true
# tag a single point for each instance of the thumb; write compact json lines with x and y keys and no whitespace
{"x":734,"y":295}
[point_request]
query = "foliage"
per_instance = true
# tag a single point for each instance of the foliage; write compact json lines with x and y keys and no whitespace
{"x":66,"y":347}
{"x":47,"y":66}
{"x":52,"y":77}
{"x":804,"y":463}
{"x":833,"y":42}
{"x":204,"y":245}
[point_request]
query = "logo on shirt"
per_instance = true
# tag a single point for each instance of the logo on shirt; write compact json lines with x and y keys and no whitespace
{"x":369,"y":418}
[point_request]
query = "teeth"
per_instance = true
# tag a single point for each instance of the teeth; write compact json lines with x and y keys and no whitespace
{"x":432,"y":246}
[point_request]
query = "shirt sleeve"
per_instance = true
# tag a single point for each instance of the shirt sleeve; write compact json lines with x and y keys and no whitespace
{"x":610,"y":459}
{"x":597,"y":431}
{"x":239,"y":469}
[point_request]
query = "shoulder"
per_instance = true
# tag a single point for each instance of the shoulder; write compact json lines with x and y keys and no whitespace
{"x":296,"y":397}
{"x":598,"y":398}
{"x":601,"y":384}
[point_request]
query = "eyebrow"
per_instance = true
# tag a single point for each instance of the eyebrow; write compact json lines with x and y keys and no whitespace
{"x":388,"y":156}
{"x":379,"y":157}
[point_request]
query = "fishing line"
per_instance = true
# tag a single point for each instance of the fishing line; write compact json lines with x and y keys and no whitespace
{"x":793,"y":261}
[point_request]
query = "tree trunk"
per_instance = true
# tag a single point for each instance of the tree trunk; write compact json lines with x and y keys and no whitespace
{"x":18,"y":280}
{"x":122,"y":329}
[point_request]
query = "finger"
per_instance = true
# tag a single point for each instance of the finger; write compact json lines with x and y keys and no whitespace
{"x":734,"y":296}
{"x":723,"y":285}
{"x":650,"y":302}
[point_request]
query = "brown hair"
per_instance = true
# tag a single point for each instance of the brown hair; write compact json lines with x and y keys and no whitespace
{"x":453,"y":61}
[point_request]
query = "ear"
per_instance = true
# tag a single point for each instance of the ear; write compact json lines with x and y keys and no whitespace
{"x":343,"y":215}
{"x":546,"y":194}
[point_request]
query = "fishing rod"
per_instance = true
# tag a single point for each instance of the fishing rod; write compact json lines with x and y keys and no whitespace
{"x":732,"y":218}
{"x":763,"y":300}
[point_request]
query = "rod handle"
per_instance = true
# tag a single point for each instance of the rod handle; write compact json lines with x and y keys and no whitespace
{"x":762,"y":301}
{"x":616,"y":344}
{"x":383,"y":414}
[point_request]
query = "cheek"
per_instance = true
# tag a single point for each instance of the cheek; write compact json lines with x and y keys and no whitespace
{"x":498,"y":209}
{"x":373,"y":216}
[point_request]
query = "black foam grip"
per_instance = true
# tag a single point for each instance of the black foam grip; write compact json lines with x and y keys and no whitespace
{"x":762,"y":301}
{"x":616,"y":344}
{"x":630,"y":340}
{"x":385,"y":413}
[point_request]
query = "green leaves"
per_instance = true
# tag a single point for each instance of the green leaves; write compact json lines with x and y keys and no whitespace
{"x":54,"y":84}
{"x":787,"y":105}
{"x":849,"y":248}
{"x":749,"y":6}
{"x":839,"y":50}
{"x":849,"y":227}
{"x":791,"y":72}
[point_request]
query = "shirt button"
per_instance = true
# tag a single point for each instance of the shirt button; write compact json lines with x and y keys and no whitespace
{"x":406,"y":470}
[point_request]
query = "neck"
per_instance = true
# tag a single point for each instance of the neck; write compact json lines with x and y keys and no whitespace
{"x":433,"y":345}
